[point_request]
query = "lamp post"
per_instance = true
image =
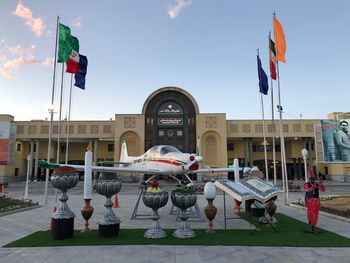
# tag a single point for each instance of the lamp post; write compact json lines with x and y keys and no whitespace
{"x":29,"y":158}
{"x":51,"y":111}
{"x":305,"y":154}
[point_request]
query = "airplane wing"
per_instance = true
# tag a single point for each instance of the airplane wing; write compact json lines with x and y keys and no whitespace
{"x":111,"y":163}
{"x":44,"y":164}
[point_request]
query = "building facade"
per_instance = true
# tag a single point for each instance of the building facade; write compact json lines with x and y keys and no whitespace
{"x":170,"y":115}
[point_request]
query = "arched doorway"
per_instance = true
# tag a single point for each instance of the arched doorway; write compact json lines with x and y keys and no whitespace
{"x":170,"y":118}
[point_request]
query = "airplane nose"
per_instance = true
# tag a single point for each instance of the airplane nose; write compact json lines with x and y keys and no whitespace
{"x":199,"y":158}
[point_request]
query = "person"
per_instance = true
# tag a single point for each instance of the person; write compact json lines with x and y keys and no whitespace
{"x":312,"y":199}
{"x":342,"y":139}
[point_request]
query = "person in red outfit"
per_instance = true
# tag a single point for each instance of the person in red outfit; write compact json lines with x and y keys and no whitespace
{"x":312,"y":199}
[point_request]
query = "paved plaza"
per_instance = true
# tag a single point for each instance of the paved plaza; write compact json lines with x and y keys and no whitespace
{"x":18,"y":225}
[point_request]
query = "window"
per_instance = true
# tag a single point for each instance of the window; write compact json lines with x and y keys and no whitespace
{"x":258,"y":127}
{"x":296,"y":127}
{"x":110,"y":147}
{"x":44,"y":129}
{"x":230,"y":147}
{"x":271,"y":128}
{"x":19,"y":147}
{"x":107,"y":128}
{"x":82,"y":129}
{"x":63,"y":148}
{"x":234,"y":128}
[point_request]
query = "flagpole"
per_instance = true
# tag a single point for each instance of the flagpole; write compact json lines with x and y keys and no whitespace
{"x":69,"y":111}
{"x":264,"y":135}
{"x":283,"y":154}
{"x":273,"y":137}
{"x":51,"y":113}
{"x":60,"y":119}
{"x":280,"y":47}
{"x":273,"y":125}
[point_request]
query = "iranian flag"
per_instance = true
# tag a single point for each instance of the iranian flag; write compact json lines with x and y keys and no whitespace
{"x":273,"y":61}
{"x":73,"y":62}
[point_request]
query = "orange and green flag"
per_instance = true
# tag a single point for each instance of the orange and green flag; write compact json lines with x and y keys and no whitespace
{"x":280,"y":41}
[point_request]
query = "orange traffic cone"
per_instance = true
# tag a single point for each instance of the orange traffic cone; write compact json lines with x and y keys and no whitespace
{"x":236,"y":204}
{"x":116,"y":203}
{"x":53,"y":211}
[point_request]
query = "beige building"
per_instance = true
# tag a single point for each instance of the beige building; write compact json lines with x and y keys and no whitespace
{"x":170,"y":115}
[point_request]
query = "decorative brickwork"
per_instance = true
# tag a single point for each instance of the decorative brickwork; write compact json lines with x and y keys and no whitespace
{"x":245,"y":128}
{"x":129,"y":122}
{"x":210,"y":122}
{"x":94,"y":129}
{"x":31,"y":129}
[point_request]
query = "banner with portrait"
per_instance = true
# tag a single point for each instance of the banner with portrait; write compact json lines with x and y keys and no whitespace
{"x":4,"y":141}
{"x":336,"y":140}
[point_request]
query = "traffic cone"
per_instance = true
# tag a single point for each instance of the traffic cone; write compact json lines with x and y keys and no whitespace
{"x":53,"y":211}
{"x":116,"y":203}
{"x":237,"y":204}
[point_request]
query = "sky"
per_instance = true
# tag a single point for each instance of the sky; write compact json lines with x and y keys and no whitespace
{"x":205,"y":47}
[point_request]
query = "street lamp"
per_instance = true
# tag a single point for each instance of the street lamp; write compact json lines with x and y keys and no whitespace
{"x":51,"y":110}
{"x":305,"y":154}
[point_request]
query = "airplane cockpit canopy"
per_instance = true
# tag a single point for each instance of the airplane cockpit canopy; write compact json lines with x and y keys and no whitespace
{"x":160,"y":150}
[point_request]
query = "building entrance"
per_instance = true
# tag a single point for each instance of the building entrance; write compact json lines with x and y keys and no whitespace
{"x":170,"y":119}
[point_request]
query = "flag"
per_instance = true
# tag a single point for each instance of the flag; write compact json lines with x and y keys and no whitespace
{"x":80,"y":76}
{"x":280,"y":40}
{"x":273,"y":60}
{"x":73,"y":62}
{"x":66,"y":43}
{"x":263,"y":82}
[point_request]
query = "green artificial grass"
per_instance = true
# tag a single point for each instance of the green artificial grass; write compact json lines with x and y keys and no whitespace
{"x":291,"y":232}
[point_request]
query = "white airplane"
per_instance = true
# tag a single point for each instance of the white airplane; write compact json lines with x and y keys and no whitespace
{"x":158,"y":160}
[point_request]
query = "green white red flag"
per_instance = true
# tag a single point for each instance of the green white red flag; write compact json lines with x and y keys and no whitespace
{"x":66,"y":43}
{"x":273,"y":61}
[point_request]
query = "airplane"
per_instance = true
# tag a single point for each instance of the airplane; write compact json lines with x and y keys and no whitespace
{"x":158,"y":160}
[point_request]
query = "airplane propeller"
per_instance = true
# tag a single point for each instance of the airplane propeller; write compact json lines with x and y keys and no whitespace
{"x":194,"y":159}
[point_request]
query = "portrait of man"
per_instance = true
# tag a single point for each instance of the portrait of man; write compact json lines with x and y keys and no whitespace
{"x":342,"y":140}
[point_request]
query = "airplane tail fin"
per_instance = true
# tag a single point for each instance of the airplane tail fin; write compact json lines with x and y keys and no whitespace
{"x":124,"y":153}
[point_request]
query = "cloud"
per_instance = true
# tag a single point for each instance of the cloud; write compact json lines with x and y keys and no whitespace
{"x":6,"y":73}
{"x":21,"y":56}
{"x":78,"y":22}
{"x":174,"y":10}
{"x":36,"y":25}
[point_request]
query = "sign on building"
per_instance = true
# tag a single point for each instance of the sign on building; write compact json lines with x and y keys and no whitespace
{"x":336,"y":140}
{"x":7,"y":141}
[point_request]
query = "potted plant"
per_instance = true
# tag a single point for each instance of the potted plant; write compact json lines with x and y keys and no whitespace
{"x":155,"y":197}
